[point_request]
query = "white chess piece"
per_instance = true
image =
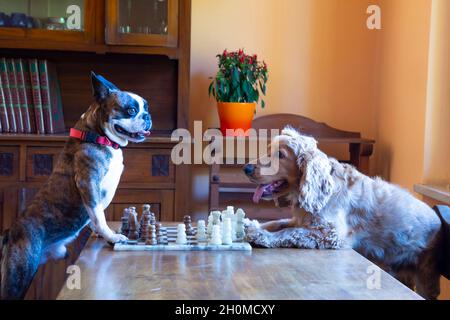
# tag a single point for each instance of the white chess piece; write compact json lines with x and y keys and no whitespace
{"x":226,"y":231}
{"x":216,"y":217}
{"x":223,"y":215}
{"x":201,"y":231}
{"x":216,"y":238}
{"x":181,"y":234}
{"x":240,"y":230}
{"x":210,"y":225}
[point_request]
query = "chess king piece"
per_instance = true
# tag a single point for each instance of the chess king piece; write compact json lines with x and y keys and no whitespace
{"x":226,"y":231}
{"x":181,"y":234}
{"x":240,"y":230}
{"x":216,"y":237}
{"x":133,"y":225}
{"x":188,"y":224}
{"x":152,"y":238}
{"x":201,"y":231}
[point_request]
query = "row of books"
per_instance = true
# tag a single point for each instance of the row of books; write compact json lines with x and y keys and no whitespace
{"x":30,"y":97}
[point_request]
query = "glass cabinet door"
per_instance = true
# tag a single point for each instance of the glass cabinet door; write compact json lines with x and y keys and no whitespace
{"x":47,"y":19}
{"x":142,"y":22}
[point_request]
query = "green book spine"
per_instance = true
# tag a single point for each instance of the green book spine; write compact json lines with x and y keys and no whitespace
{"x":11,"y":70}
{"x":37,"y":99}
{"x":29,"y":93}
{"x":7,"y":96}
{"x":4,"y":120}
{"x":51,"y":98}
{"x":23,"y":98}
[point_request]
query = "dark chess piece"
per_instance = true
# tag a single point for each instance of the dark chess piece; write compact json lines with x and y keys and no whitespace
{"x":188,"y":223}
{"x":124,"y":229}
{"x":152,"y":218}
{"x":144,"y":227}
{"x":152,"y":238}
{"x":133,"y":225}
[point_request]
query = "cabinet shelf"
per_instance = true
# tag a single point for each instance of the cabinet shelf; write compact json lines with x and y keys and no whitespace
{"x":163,"y":138}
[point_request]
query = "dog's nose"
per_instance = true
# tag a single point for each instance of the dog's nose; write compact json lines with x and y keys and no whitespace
{"x":249,"y":169}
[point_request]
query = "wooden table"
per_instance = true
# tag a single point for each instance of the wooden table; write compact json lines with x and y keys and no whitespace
{"x":260,"y":274}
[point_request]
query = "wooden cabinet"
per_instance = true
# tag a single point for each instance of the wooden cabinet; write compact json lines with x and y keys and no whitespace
{"x":142,"y":46}
{"x":137,"y":22}
{"x":57,"y":21}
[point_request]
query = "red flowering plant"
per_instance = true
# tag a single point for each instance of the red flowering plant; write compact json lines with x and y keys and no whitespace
{"x":240,"y":78}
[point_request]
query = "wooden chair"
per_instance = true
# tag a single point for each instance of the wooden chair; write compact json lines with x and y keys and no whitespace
{"x":229,"y":186}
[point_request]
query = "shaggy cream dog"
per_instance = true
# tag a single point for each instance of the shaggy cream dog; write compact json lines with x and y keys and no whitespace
{"x":334,"y":205}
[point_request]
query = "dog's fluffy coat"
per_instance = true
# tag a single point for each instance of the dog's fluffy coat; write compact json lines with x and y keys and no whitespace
{"x":380,"y":220}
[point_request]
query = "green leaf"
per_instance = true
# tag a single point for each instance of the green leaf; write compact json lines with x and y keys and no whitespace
{"x":235,"y":77}
{"x":210,"y":88}
{"x":263,"y":104}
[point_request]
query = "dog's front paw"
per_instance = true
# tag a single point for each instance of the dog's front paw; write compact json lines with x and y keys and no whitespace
{"x":114,"y":238}
{"x":251,"y":224}
{"x":258,"y":237}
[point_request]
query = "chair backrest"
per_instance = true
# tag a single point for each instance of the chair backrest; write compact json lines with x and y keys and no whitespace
{"x":304,"y":125}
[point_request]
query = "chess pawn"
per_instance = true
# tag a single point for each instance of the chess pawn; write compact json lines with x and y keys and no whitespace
{"x":223,"y":215}
{"x":216,"y":237}
{"x":181,"y":234}
{"x":133,"y":233}
{"x":188,"y":224}
{"x":144,"y":227}
{"x":201,"y":231}
{"x":240,"y":230}
{"x":159,"y":238}
{"x":210,"y":225}
{"x":152,"y":238}
{"x":226,"y":231}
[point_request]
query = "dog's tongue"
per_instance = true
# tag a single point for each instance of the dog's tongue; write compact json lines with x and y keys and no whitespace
{"x":146,"y":133}
{"x":258,"y":193}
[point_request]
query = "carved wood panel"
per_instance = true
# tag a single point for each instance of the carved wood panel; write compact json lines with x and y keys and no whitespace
{"x":160,"y":165}
{"x":42,"y":164}
{"x":6,"y":163}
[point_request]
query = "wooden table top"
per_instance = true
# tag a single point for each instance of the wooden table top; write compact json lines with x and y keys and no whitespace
{"x":260,"y":274}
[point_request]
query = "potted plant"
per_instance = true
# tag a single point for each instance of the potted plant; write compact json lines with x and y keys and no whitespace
{"x":237,"y":87}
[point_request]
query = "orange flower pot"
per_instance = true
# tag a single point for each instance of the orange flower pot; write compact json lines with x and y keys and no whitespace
{"x":236,"y":115}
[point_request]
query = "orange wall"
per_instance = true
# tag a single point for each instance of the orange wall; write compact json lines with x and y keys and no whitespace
{"x":437,"y":132}
{"x":402,"y":94}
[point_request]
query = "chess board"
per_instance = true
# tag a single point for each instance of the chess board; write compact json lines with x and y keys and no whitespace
{"x":168,"y":243}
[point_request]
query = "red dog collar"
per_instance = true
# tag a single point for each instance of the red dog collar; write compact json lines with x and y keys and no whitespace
{"x":92,"y":138}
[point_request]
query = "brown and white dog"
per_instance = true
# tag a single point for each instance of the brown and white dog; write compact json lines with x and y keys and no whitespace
{"x":80,"y":188}
{"x":382,"y":221}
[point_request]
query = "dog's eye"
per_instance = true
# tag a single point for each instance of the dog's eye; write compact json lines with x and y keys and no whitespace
{"x":132,"y":111}
{"x":280,"y":155}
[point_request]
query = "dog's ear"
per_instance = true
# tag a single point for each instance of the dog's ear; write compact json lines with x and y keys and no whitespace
{"x":101,"y":87}
{"x":297,"y":142}
{"x":316,"y":184}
